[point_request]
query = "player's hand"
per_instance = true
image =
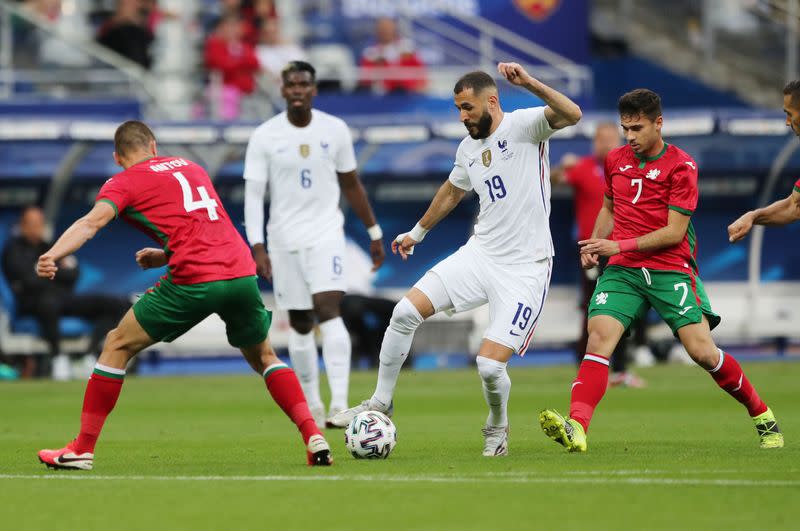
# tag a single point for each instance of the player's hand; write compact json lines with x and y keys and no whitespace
{"x":404,"y":245}
{"x":46,"y":267}
{"x":568,"y":161}
{"x":598,"y":246}
{"x":377,"y":253}
{"x":150,"y":257}
{"x":514,"y":73}
{"x":740,"y":228}
{"x":263,"y":263}
{"x":589,"y":261}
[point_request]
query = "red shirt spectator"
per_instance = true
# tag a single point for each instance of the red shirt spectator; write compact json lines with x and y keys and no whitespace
{"x":392,"y":51}
{"x":588,"y":181}
{"x":227,"y":52}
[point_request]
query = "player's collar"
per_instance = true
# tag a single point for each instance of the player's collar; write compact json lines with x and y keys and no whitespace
{"x":643,"y":159}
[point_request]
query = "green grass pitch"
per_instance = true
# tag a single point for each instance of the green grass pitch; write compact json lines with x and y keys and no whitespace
{"x":200,"y":453}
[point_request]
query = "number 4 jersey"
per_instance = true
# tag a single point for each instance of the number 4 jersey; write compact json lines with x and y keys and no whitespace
{"x":173,"y":201}
{"x":644,"y":190}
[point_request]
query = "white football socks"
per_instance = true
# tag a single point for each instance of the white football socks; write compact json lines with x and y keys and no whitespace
{"x":303,"y":353}
{"x":496,"y":388}
{"x":336,"y":352}
{"x":394,"y":349}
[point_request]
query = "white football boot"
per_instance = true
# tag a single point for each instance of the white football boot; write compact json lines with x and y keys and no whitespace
{"x":495,"y":441}
{"x":342,"y":419}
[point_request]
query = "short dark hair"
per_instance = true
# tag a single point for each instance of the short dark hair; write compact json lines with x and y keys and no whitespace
{"x":298,"y":66}
{"x":478,"y":81}
{"x":640,"y":101}
{"x":793,"y":88}
{"x":130,"y":136}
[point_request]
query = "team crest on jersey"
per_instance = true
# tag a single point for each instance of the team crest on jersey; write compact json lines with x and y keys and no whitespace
{"x":538,"y":10}
{"x":486,"y":157}
{"x":305,"y":150}
{"x":505,"y":153}
{"x":653,"y":174}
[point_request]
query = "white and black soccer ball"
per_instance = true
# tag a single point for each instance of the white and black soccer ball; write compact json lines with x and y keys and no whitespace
{"x":370,"y":435}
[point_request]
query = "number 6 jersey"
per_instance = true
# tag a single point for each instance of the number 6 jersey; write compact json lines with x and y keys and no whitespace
{"x":510,"y":172}
{"x":644,"y":190}
{"x":300,"y":165}
{"x":173,"y":201}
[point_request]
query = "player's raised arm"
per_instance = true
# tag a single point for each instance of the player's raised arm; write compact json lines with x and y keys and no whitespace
{"x":781,"y":212}
{"x":445,"y":200}
{"x":560,"y":110}
{"x":74,"y":237}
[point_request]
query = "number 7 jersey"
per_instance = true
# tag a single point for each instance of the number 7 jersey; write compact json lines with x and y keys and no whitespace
{"x":644,"y":190}
{"x":173,"y":201}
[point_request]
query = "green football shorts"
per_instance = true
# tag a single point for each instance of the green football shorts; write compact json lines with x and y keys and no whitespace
{"x":167,"y":310}
{"x":626,"y":293}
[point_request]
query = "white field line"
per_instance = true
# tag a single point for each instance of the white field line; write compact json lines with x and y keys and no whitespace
{"x":595,"y":480}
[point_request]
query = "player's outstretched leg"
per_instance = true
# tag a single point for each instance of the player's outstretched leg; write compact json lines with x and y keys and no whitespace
{"x":496,"y":390}
{"x":282,"y":384}
{"x":588,"y":388}
{"x":728,"y":374}
{"x":731,"y":378}
{"x":102,"y":392}
{"x":397,"y":340}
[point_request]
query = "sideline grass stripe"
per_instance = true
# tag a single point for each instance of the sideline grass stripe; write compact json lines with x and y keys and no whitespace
{"x":629,"y":480}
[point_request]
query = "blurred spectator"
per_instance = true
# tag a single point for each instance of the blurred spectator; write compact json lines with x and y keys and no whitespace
{"x":273,"y":52}
{"x":235,"y":60}
{"x":49,"y":300}
{"x":255,"y":14}
{"x":127,"y":31}
{"x":391,"y":50}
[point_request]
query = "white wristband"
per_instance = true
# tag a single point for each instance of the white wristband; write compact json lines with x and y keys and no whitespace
{"x":375,"y":232}
{"x":418,"y":233}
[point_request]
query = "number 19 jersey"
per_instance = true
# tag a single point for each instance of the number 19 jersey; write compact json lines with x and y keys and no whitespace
{"x":644,"y":190}
{"x":510,"y":172}
{"x":173,"y":201}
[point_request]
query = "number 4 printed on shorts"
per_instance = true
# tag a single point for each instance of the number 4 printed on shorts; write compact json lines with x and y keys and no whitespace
{"x":683,"y":286}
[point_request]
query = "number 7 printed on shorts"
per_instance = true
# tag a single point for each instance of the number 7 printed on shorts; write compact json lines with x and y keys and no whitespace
{"x":683,"y":286}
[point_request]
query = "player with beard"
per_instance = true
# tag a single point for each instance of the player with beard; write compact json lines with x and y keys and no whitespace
{"x":786,"y":210}
{"x":508,"y":261}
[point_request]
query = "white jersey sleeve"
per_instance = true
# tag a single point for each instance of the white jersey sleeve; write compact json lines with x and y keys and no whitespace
{"x":346,"y":155}
{"x":458,"y":175}
{"x":535,"y":124}
{"x":256,"y":159}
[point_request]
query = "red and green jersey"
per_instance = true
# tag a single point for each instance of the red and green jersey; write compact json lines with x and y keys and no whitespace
{"x":644,"y":190}
{"x":173,"y":201}
{"x":797,"y":186}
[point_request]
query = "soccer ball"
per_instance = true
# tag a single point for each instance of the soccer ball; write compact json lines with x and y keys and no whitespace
{"x":370,"y":435}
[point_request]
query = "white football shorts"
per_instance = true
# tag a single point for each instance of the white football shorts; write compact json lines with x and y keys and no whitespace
{"x":515,"y":292}
{"x":297,"y":275}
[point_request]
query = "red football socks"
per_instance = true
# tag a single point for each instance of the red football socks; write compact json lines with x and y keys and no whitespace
{"x":101,"y":396}
{"x":287,"y":393}
{"x":588,"y":388}
{"x":730,"y":377}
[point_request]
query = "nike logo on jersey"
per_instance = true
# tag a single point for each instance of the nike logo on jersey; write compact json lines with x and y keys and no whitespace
{"x":624,"y":168}
{"x":471,"y":162}
{"x":690,"y":164}
{"x":513,"y":333}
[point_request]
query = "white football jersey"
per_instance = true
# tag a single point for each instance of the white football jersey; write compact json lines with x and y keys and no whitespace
{"x":300,"y":165}
{"x":510,"y":172}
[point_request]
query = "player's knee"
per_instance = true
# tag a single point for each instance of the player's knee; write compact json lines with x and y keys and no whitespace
{"x":301,"y":322}
{"x":405,"y":317}
{"x":703,"y":351}
{"x":490,"y":371}
{"x":600,"y":341}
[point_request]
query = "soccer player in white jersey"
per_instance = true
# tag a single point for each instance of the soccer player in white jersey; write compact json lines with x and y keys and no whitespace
{"x":508,"y":261}
{"x":307,"y":158}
